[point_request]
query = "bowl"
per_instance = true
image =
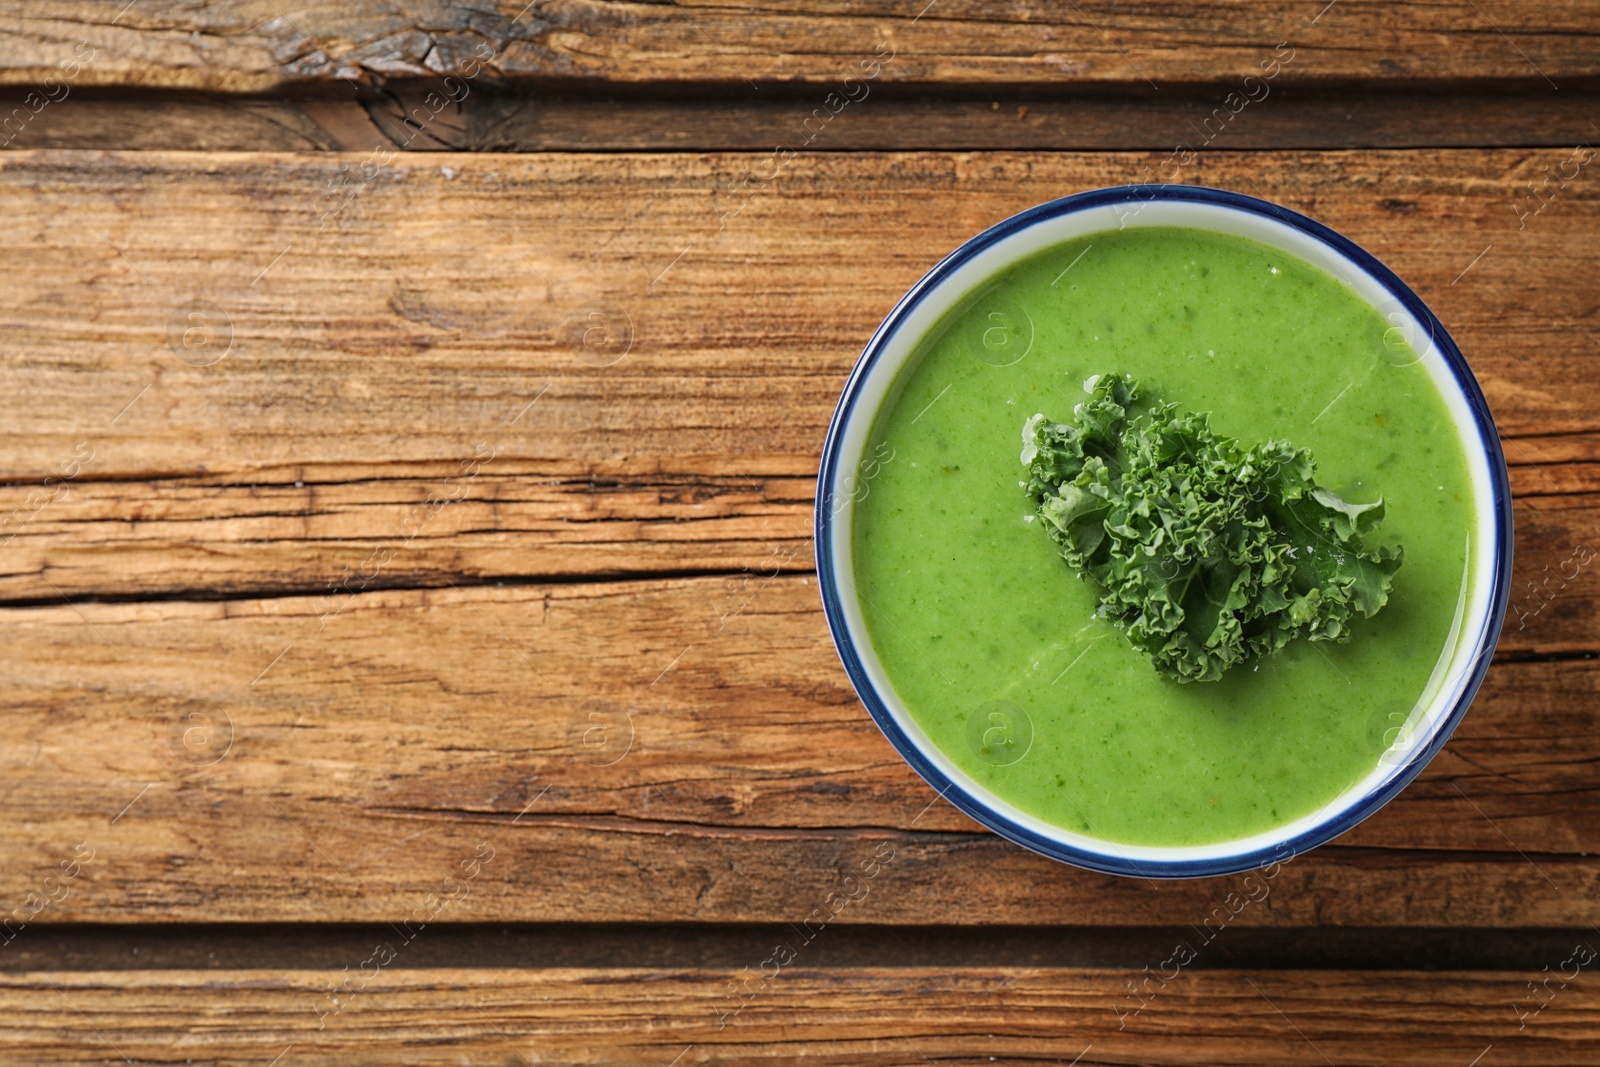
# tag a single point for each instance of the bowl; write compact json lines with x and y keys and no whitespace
{"x":1414,"y":331}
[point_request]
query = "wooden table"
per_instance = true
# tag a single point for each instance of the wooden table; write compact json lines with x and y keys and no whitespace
{"x":413,"y":649}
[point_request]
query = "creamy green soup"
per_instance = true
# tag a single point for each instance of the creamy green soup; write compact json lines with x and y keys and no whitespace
{"x":989,"y":638}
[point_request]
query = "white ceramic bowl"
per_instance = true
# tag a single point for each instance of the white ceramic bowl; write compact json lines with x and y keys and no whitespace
{"x":1416,"y":333}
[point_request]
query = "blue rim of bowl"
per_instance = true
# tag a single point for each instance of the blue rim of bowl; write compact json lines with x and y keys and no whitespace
{"x":953,"y":791}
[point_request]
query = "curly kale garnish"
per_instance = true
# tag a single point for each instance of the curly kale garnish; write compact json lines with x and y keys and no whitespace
{"x":1209,"y":554}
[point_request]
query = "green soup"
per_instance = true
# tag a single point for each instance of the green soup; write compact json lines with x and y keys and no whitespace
{"x":971,"y":610}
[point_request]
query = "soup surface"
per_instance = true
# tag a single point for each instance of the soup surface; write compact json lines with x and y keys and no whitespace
{"x":990,"y":640}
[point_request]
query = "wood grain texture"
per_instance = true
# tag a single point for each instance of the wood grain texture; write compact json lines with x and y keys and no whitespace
{"x":534,"y":119}
{"x":256,"y":383}
{"x":190,"y":336}
{"x":229,"y":316}
{"x":534,"y":367}
{"x":425,"y":543}
{"x":1291,"y":116}
{"x":719,"y":947}
{"x":643,"y":751}
{"x":113,"y":119}
{"x":177,"y":538}
{"x":97,"y":540}
{"x":260,"y":46}
{"x":880,"y":1016}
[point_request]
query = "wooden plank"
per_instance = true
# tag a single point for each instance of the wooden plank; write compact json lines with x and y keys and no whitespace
{"x":509,"y":119}
{"x":231,"y":947}
{"x":1295,"y":116}
{"x":112,"y":120}
{"x":959,"y":1015}
{"x":174,"y":538}
{"x":259,"y":47}
{"x":445,"y":301}
{"x":682,"y":750}
{"x":438,"y":297}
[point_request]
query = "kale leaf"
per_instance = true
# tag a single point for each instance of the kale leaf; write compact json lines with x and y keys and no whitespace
{"x":1209,"y":554}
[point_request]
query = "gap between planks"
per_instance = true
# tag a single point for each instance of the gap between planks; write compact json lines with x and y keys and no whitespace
{"x":314,"y":946}
{"x":1498,"y":115}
